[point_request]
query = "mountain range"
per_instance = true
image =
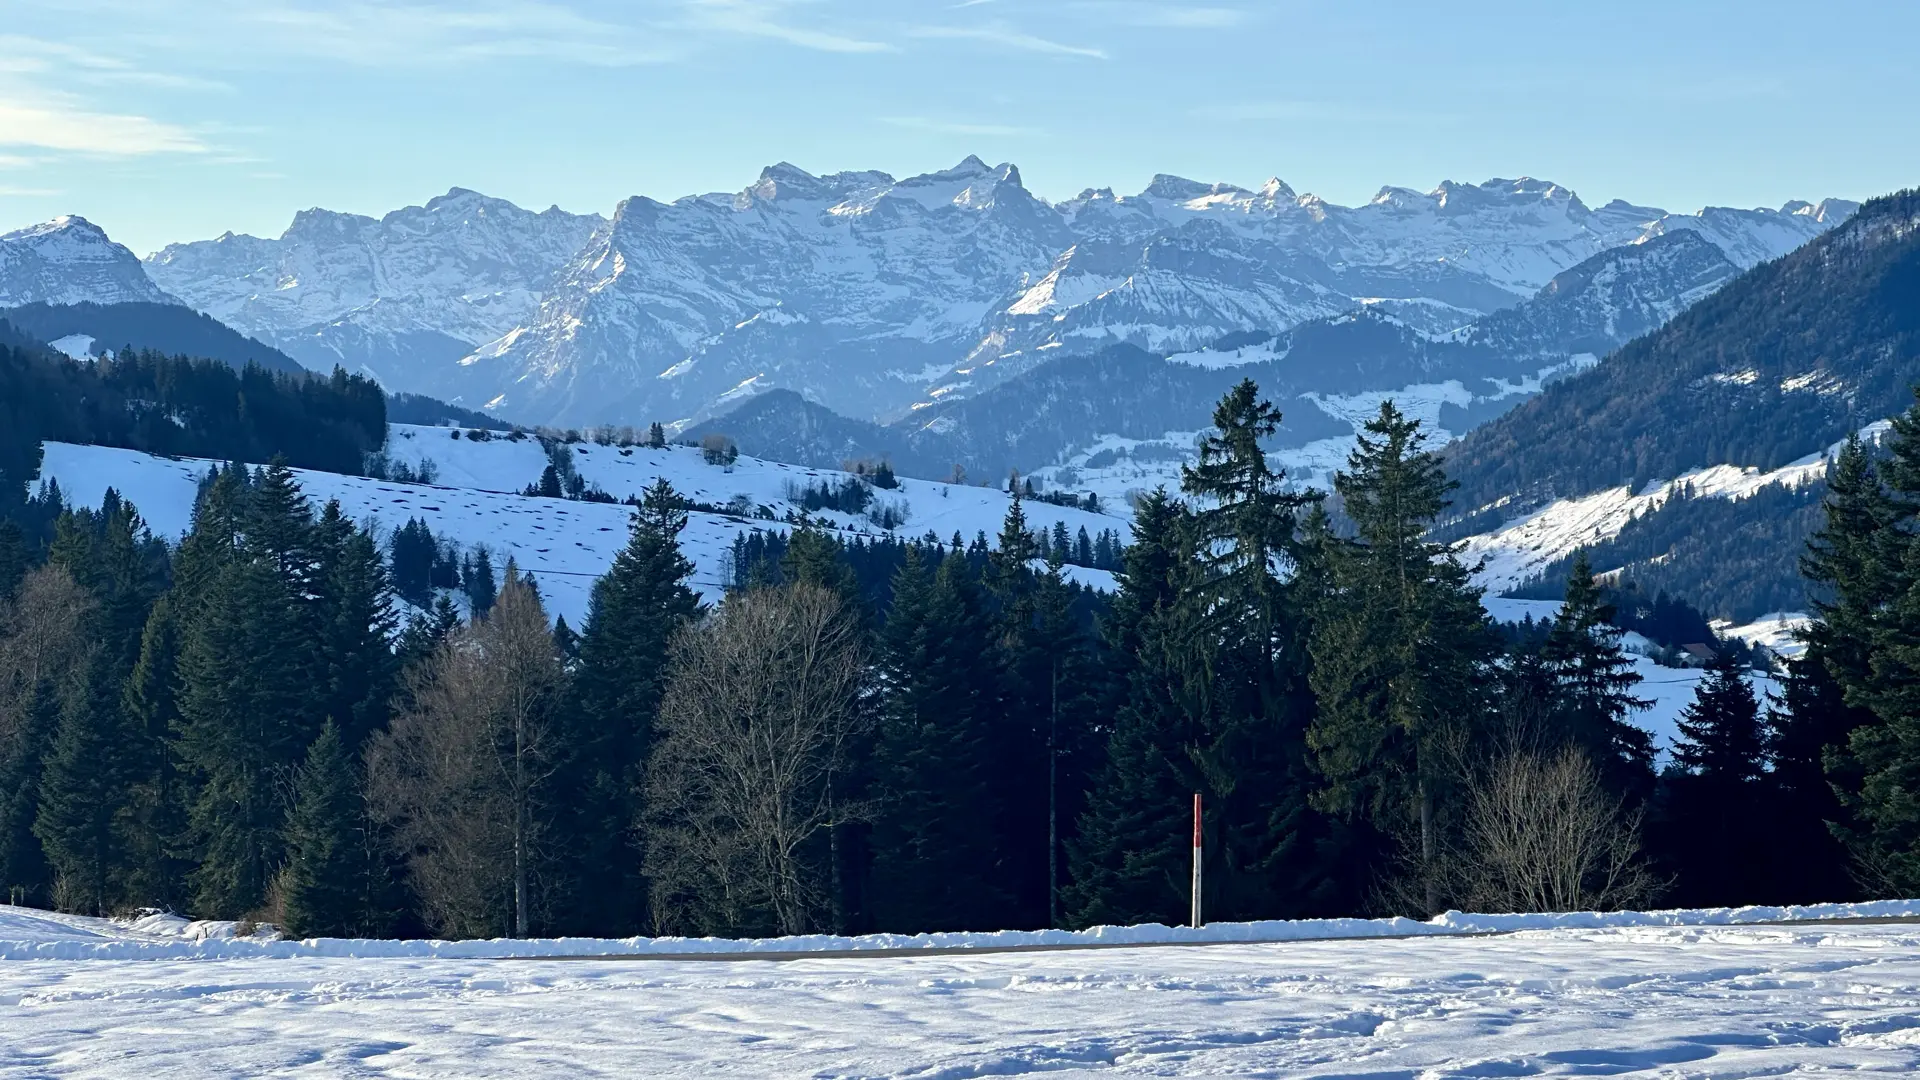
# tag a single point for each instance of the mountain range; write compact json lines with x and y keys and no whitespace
{"x":872,"y":295}
{"x":1693,"y":458}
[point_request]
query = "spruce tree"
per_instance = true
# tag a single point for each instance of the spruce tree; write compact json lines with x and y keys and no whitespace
{"x":934,"y":866}
{"x":355,"y":626}
{"x":1131,"y":853}
{"x":1594,"y":681}
{"x":244,"y":699}
{"x":635,"y":611}
{"x":1399,"y":649}
{"x":157,"y":810}
{"x":84,"y":791}
{"x":1716,"y":806}
{"x":482,"y":591}
{"x":333,"y":884}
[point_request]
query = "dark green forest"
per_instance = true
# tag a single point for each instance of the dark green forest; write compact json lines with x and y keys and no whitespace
{"x":926,"y":736}
{"x":1784,"y":361}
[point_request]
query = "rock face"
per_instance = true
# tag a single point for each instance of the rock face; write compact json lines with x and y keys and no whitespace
{"x":403,"y":296}
{"x":69,"y":260}
{"x":873,"y":295}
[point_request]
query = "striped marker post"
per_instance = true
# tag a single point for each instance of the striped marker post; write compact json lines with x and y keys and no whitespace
{"x":1196,"y":860}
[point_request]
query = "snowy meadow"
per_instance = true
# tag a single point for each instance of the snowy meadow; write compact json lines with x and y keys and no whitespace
{"x":1651,"y":1000}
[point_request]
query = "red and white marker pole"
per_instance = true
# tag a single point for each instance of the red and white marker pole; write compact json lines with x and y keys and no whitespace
{"x":1196,"y":860}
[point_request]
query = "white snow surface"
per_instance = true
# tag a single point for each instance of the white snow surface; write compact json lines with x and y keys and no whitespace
{"x":566,"y":545}
{"x":1704,"y":994}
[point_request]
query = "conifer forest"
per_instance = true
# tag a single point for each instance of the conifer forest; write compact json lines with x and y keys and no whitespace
{"x":287,"y":719}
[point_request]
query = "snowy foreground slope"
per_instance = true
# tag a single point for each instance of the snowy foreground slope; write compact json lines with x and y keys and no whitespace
{"x":1681,"y":994}
{"x":564,"y":544}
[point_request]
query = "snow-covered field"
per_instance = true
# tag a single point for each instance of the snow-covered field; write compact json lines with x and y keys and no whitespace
{"x":565,"y":544}
{"x":1673,"y":1000}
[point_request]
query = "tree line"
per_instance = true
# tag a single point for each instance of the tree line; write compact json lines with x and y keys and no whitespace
{"x":242,"y":728}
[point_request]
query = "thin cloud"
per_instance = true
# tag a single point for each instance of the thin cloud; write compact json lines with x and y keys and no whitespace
{"x":762,"y":20}
{"x":947,"y":127}
{"x":21,"y":55}
{"x":29,"y":192}
{"x":60,"y":125}
{"x":1173,"y":16}
{"x":1005,"y":36}
{"x":386,"y":35}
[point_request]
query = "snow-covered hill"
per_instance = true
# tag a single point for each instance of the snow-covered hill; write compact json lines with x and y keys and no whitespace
{"x":70,"y":260}
{"x":872,"y":294}
{"x":565,"y":544}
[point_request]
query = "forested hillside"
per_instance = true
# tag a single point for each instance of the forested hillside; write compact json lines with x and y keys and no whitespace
{"x":148,"y":327}
{"x":1782,"y":362}
{"x":178,"y":405}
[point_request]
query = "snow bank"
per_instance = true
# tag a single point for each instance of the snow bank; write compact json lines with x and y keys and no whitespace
{"x":26,"y":934}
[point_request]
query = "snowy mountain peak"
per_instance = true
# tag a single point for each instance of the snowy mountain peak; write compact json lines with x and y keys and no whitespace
{"x":1179,"y":189}
{"x":69,"y":260}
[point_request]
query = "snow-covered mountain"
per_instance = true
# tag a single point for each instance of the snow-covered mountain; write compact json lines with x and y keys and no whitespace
{"x":873,"y":295}
{"x":1121,"y":418}
{"x":400,"y":296}
{"x":69,"y":260}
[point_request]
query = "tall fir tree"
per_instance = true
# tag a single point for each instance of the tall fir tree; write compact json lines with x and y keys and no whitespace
{"x":157,"y":808}
{"x":355,"y":626}
{"x":1593,"y":686}
{"x":84,"y":791}
{"x":934,"y":866}
{"x":244,"y":701}
{"x":1715,"y":792}
{"x":1130,"y":858}
{"x":1399,"y":650}
{"x":636,"y":609}
{"x":334,"y":882}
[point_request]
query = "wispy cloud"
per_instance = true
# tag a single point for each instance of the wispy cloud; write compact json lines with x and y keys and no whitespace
{"x":28,"y":192}
{"x":55,"y":123}
{"x":767,"y":20}
{"x":1168,"y":15}
{"x":948,"y":127}
{"x":1007,"y":37}
{"x":382,"y":34}
{"x":22,"y":55}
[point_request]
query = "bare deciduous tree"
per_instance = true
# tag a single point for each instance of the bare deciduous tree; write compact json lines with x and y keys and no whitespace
{"x":1543,"y":834}
{"x":458,"y":775}
{"x":42,"y":639}
{"x":752,"y":732}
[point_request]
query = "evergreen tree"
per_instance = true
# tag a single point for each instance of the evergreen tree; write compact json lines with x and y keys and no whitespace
{"x":482,"y":591}
{"x":1399,"y":649}
{"x":1712,"y":822}
{"x":636,"y":609}
{"x":1593,"y":682}
{"x":1130,"y":857}
{"x":1811,"y":723}
{"x":157,"y":811}
{"x":356,"y":625}
{"x":425,"y":632}
{"x":1721,"y":737}
{"x":244,"y":687}
{"x":934,"y":866}
{"x":333,"y":884}
{"x":84,"y":789}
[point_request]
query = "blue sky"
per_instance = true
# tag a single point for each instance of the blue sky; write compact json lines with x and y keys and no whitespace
{"x":177,"y":119}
